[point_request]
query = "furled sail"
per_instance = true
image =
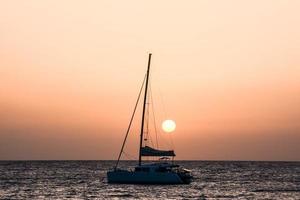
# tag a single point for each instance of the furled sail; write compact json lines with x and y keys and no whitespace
{"x":149,"y":151}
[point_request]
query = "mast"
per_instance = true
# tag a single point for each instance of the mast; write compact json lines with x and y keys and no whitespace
{"x":144,"y":108}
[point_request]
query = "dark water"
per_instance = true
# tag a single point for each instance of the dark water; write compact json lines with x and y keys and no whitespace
{"x":86,"y":180}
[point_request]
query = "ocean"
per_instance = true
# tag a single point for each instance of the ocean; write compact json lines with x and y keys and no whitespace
{"x":87,"y":180}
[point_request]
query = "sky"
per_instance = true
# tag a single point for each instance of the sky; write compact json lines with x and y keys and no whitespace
{"x":227,"y":72}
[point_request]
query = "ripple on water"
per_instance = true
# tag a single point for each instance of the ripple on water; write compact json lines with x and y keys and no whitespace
{"x":86,"y":180}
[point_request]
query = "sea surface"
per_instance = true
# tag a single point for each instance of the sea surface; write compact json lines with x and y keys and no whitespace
{"x":87,"y":180}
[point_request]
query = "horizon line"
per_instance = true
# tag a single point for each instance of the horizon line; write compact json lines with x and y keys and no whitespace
{"x":114,"y":160}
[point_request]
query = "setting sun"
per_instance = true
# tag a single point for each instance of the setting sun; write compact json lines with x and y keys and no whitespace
{"x":168,"y":125}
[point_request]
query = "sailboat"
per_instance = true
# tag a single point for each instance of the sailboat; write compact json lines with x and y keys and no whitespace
{"x":163,"y":171}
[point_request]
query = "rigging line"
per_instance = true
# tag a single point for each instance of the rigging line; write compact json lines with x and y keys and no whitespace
{"x":129,"y":156}
{"x":157,"y":131}
{"x":126,"y":157}
{"x":146,"y":132}
{"x":151,"y":140}
{"x":154,"y":121}
{"x":148,"y":116}
{"x":171,"y":139}
{"x":165,"y":141}
{"x":129,"y":126}
{"x":162,"y":103}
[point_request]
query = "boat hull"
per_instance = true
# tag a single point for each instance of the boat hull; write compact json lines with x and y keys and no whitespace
{"x":128,"y":177}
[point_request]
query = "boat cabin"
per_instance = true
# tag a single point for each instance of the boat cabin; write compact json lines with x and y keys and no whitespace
{"x":156,"y":167}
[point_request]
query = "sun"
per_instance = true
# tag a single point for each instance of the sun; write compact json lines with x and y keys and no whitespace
{"x":168,"y":125}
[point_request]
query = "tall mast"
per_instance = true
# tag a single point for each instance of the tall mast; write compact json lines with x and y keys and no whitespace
{"x":144,"y":108}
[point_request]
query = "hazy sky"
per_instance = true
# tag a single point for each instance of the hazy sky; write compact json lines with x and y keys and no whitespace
{"x":228,"y":73}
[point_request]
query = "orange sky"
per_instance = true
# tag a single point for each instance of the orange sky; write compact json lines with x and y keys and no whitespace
{"x":228,"y":73}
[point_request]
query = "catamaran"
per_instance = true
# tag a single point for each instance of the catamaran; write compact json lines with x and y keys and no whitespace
{"x":163,"y":171}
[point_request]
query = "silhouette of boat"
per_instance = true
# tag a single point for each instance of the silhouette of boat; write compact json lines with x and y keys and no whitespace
{"x":163,"y":171}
